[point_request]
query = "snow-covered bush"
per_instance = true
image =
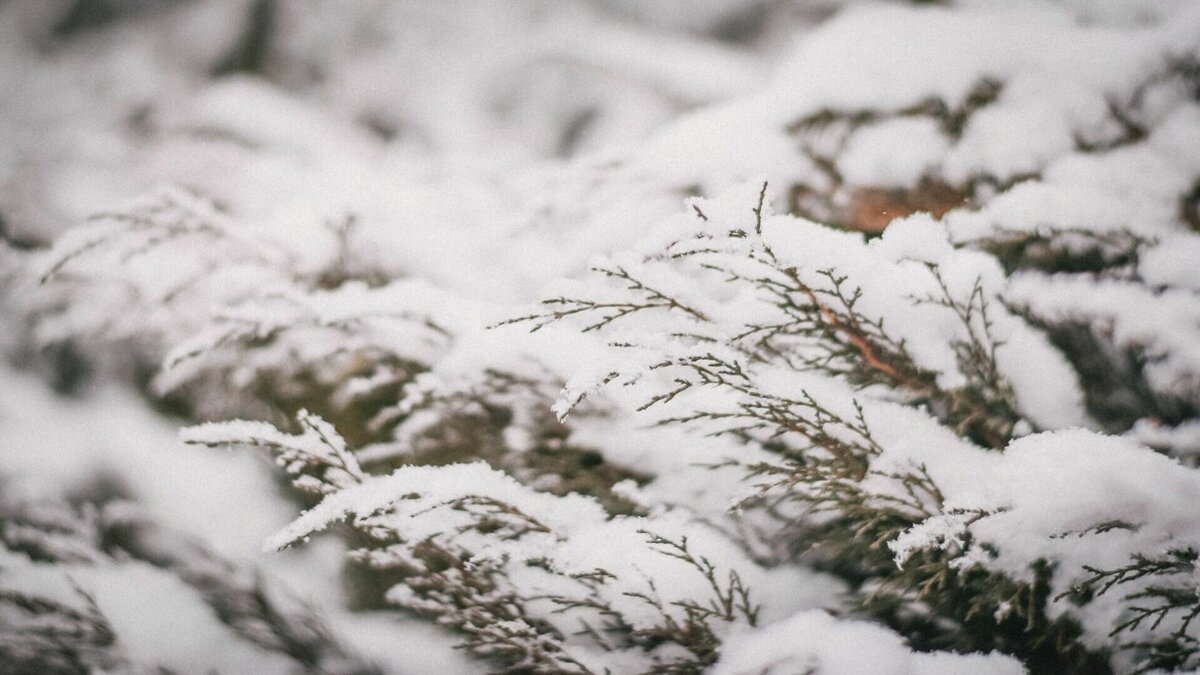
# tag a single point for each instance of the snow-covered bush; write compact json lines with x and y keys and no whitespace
{"x":116,"y":553}
{"x":887,"y":362}
{"x":877,"y":392}
{"x":83,"y":585}
{"x":803,"y":352}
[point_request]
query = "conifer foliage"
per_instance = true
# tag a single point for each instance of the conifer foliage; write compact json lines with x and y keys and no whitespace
{"x":889,"y":362}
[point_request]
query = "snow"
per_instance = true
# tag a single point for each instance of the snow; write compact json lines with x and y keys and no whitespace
{"x":816,"y":642}
{"x":348,"y":229}
{"x":1048,"y":492}
{"x":893,"y":153}
{"x":168,"y":625}
{"x":1171,"y":262}
{"x":114,"y":433}
{"x":1163,"y":324}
